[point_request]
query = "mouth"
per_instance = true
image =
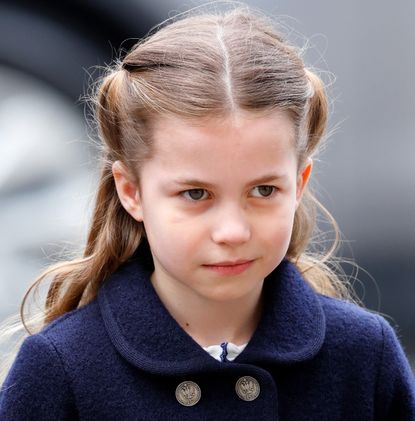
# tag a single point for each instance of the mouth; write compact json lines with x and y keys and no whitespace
{"x":230,"y":268}
{"x":230,"y":263}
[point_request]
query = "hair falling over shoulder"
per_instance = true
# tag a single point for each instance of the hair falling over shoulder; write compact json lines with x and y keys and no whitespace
{"x":236,"y":59}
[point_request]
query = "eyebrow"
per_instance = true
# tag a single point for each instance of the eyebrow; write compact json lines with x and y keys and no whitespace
{"x":261,"y":180}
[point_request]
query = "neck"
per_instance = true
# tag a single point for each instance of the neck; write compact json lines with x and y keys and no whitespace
{"x":211,"y":322}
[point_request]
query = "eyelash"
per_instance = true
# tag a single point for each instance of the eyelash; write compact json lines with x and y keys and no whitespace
{"x":183,"y":193}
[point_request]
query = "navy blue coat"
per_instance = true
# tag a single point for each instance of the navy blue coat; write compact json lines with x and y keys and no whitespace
{"x":122,"y":356}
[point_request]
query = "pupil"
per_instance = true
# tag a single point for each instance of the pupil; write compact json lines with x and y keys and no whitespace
{"x":265,"y":190}
{"x":196,"y":194}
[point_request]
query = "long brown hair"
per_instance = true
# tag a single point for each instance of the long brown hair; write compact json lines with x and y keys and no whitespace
{"x":195,"y":66}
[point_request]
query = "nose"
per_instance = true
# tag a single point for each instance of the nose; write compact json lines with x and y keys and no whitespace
{"x":231,"y":226}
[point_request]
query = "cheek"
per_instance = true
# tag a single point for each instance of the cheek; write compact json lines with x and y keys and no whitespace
{"x":281,"y":234}
{"x":171,"y":237}
{"x":277,"y":228}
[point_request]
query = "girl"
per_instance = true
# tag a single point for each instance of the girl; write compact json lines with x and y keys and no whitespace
{"x":195,"y":297}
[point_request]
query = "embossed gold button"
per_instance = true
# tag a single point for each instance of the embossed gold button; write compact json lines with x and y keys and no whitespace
{"x":188,"y":393}
{"x":247,"y":388}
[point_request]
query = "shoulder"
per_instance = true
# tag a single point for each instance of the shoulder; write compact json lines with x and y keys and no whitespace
{"x":346,"y":314}
{"x":48,"y":358}
{"x":348,"y":324}
{"x":365,"y":338}
{"x":355,"y":336}
{"x":70,"y":341}
{"x":345,"y":317}
{"x":72,"y":326}
{"x":370,"y":345}
{"x":78,"y":336}
{"x":39,"y":384}
{"x":38,"y":379}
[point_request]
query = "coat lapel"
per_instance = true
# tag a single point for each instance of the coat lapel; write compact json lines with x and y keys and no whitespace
{"x":292,"y":327}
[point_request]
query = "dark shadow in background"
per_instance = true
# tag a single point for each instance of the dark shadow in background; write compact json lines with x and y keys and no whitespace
{"x":58,"y":41}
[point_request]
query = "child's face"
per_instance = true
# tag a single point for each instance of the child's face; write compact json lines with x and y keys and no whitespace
{"x":222,"y":192}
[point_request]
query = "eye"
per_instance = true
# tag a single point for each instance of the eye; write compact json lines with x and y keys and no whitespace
{"x":194,"y":195}
{"x":264,"y":191}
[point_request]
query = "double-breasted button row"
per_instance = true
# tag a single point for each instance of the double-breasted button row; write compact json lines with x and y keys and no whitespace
{"x":188,"y":393}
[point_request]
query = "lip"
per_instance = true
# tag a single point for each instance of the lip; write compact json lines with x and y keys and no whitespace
{"x":229,"y":263}
{"x":230,"y":268}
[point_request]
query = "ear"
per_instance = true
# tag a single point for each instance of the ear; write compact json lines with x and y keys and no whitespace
{"x":127,"y":190}
{"x":302,"y":180}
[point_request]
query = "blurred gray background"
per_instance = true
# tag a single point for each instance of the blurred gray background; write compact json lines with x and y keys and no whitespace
{"x":365,"y":175}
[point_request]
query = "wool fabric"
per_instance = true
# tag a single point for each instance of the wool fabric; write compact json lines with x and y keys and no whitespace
{"x":122,"y":356}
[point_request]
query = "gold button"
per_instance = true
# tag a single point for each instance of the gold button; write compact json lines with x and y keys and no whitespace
{"x":188,"y":393}
{"x":247,"y":388}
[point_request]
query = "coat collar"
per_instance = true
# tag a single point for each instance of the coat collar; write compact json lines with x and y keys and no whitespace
{"x":292,"y":327}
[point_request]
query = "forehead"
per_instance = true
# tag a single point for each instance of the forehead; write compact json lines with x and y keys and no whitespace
{"x":238,"y":143}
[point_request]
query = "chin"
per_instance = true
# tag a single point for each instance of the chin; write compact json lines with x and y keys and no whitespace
{"x":226,"y":293}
